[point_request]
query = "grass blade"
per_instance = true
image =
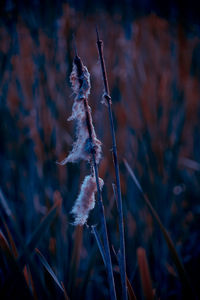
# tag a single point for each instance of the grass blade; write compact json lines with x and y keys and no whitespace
{"x":131,"y":294}
{"x":25,"y":257}
{"x":89,"y":271}
{"x":48,"y":268}
{"x":187,"y":289}
{"x":29,"y":280}
{"x":13,"y":277}
{"x":4,"y":205}
{"x":12,"y":243}
{"x":99,"y":243}
{"x":36,"y":236}
{"x":145,"y":274}
{"x":76,"y":252}
{"x":64,"y":290}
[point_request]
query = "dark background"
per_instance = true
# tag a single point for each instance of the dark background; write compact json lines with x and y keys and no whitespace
{"x":152,"y":53}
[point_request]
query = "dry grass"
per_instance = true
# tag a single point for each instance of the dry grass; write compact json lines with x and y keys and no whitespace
{"x":153,"y":73}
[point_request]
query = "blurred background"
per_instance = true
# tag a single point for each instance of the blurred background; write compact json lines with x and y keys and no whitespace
{"x":152,"y":55}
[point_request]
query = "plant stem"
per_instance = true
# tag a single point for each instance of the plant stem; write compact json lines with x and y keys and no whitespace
{"x":102,"y":214}
{"x":116,"y":166}
{"x":79,"y":65}
{"x":99,"y":243}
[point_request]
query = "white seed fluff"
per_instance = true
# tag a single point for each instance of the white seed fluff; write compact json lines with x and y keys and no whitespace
{"x":86,"y":200}
{"x":84,"y":91}
{"x":81,"y":148}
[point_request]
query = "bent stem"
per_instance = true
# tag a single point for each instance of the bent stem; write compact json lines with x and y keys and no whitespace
{"x":116,"y":166}
{"x":78,"y":63}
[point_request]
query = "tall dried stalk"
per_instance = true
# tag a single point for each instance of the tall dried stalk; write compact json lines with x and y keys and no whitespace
{"x":92,"y":149}
{"x":116,"y":165}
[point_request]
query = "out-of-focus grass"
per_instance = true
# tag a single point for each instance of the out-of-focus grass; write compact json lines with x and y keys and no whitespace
{"x":153,"y":69}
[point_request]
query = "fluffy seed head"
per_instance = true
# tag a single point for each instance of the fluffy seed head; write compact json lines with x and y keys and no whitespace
{"x":86,"y":200}
{"x":84,"y":90}
{"x":83,"y":145}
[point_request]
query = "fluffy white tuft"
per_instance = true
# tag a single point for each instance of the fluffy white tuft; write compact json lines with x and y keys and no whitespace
{"x":84,"y":91}
{"x":82,"y":146}
{"x":86,"y":200}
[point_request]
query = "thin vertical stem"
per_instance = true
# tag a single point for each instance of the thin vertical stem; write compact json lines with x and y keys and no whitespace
{"x":101,"y":209}
{"x":116,"y":166}
{"x":99,"y":243}
{"x":78,"y":63}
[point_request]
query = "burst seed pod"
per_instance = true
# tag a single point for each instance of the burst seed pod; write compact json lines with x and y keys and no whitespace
{"x":86,"y":200}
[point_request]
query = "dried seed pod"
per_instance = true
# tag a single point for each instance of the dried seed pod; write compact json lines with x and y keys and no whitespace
{"x":84,"y":145}
{"x":86,"y":200}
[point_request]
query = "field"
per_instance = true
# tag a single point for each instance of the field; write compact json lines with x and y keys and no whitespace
{"x":153,"y":70}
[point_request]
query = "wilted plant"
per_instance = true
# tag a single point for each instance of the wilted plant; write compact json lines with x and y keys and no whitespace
{"x":86,"y":142}
{"x":87,"y":147}
{"x":86,"y":137}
